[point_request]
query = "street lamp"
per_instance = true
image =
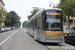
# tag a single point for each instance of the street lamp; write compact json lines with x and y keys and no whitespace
{"x":35,"y":7}
{"x":51,"y":3}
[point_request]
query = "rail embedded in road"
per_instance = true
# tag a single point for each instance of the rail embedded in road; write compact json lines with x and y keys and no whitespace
{"x":61,"y":46}
{"x":7,"y":37}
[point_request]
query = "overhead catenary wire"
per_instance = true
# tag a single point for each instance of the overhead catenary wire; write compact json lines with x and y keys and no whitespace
{"x":20,"y":9}
{"x":20,"y":6}
{"x":37,"y":2}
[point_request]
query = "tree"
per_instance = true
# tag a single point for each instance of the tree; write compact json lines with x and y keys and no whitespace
{"x":8,"y":20}
{"x":68,"y":7}
{"x":2,"y":13}
{"x":12,"y":18}
{"x":33,"y":13}
{"x":17,"y":24}
{"x":24,"y":24}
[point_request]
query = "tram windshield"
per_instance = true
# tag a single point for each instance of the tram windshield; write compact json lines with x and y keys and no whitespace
{"x":53,"y":21}
{"x":53,"y":24}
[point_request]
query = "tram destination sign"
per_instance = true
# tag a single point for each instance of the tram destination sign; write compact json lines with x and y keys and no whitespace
{"x":53,"y":13}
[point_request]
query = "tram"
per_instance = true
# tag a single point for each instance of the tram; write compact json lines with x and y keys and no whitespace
{"x":46,"y":26}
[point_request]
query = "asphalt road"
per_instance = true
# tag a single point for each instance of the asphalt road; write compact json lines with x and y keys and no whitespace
{"x":4,"y":35}
{"x":21,"y":40}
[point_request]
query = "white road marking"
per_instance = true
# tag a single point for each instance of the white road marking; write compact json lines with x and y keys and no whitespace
{"x":8,"y":38}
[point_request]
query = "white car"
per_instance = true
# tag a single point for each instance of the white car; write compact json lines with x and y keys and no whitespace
{"x":9,"y":28}
{"x":0,"y":30}
{"x":3,"y":29}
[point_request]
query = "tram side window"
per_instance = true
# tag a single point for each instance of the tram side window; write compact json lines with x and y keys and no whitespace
{"x":31,"y":25}
{"x":44,"y":22}
{"x":40,"y":22}
{"x":35,"y":24}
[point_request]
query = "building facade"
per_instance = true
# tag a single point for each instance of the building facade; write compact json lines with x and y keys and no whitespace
{"x":2,"y":5}
{"x":71,"y":22}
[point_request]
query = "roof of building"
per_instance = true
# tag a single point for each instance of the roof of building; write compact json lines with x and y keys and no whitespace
{"x":2,"y":2}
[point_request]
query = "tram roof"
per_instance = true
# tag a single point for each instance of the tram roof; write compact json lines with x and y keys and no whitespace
{"x":39,"y":12}
{"x":54,"y":9}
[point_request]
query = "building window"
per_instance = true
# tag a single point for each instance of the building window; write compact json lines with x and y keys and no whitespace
{"x":71,"y":21}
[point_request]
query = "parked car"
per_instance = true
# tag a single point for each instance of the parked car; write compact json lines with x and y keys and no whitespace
{"x":70,"y":37}
{"x":3,"y":29}
{"x":12,"y":28}
{"x":0,"y":30}
{"x":6,"y":29}
{"x":67,"y":30}
{"x":9,"y":28}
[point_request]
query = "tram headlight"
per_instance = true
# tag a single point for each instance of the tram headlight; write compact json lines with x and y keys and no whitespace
{"x":43,"y":32}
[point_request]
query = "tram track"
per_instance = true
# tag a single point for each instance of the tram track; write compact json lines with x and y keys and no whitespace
{"x":38,"y":41}
{"x":20,"y":39}
{"x":34,"y":45}
{"x":61,"y":46}
{"x":26,"y":42}
{"x":11,"y":41}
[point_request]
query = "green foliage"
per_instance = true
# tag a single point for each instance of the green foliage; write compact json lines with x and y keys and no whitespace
{"x":17,"y":24}
{"x":68,"y":7}
{"x":2,"y":13}
{"x":33,"y":13}
{"x":24,"y":24}
{"x":12,"y":18}
{"x":8,"y":20}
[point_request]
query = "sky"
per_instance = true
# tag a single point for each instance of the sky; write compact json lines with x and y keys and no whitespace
{"x":24,"y":7}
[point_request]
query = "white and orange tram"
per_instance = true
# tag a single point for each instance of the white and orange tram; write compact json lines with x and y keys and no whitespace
{"x":47,"y":26}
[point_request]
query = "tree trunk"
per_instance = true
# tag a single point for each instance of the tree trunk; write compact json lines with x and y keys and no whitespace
{"x":11,"y":25}
{"x":68,"y":22}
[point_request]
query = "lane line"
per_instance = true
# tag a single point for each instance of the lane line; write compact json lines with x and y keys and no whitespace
{"x":10,"y":42}
{"x":8,"y":38}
